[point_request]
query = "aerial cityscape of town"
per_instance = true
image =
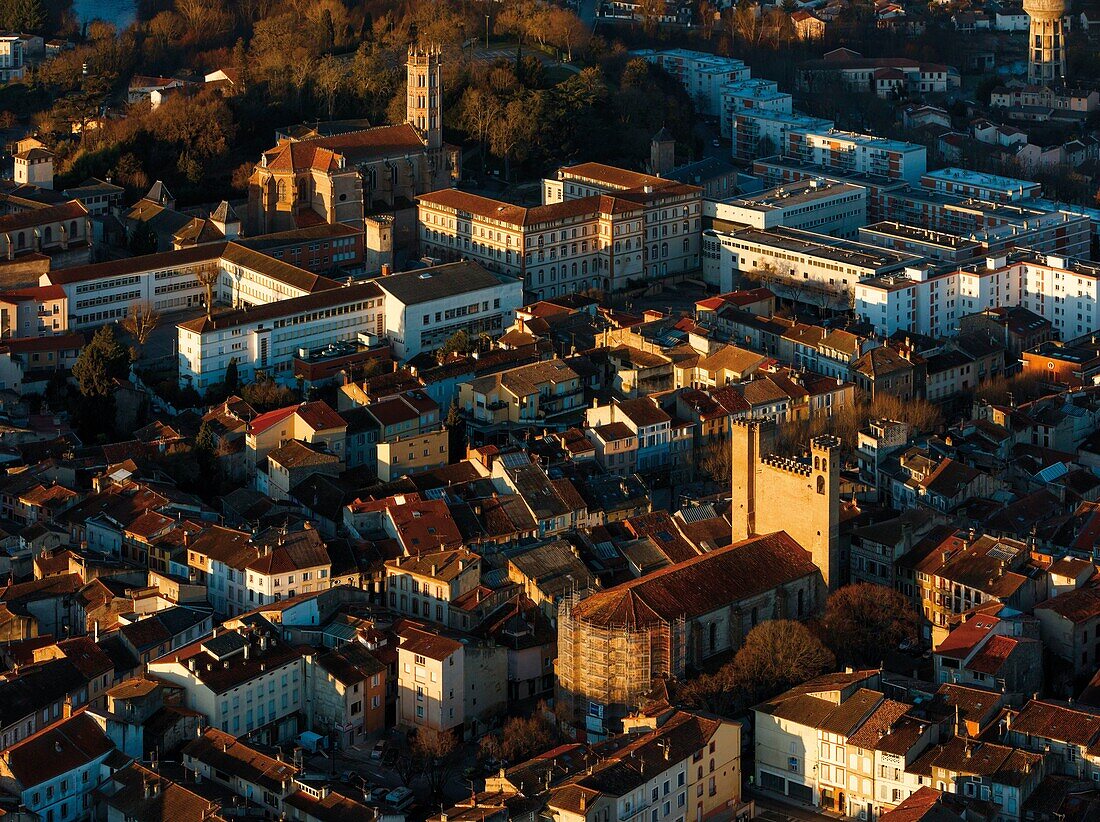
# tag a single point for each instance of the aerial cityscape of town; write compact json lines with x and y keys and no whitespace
{"x":549,"y":410}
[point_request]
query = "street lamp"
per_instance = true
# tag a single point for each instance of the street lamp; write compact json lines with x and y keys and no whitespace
{"x":486,"y":31}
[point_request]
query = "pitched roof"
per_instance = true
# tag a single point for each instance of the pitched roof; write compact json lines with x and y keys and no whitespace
{"x":57,"y":749}
{"x":700,"y":585}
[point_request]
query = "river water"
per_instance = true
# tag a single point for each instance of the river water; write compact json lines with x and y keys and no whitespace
{"x":119,"y":12}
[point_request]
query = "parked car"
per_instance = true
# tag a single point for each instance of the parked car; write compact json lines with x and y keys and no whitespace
{"x":400,"y":798}
{"x":378,"y":749}
{"x":379,"y":794}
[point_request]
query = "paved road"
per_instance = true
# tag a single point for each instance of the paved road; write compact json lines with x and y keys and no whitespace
{"x":586,"y":10}
{"x":774,"y":811}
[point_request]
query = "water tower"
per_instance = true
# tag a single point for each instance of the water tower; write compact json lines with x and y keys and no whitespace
{"x":1046,"y":63}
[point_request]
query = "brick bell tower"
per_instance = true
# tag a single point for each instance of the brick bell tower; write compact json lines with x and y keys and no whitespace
{"x":424,"y":103}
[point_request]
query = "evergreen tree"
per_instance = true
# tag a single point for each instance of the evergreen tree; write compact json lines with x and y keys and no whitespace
{"x":100,"y":363}
{"x":232,"y":379}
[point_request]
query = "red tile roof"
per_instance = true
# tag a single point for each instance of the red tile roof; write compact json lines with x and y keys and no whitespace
{"x":58,"y":749}
{"x":702,"y":584}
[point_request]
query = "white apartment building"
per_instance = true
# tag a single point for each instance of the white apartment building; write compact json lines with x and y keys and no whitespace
{"x":979,"y":185}
{"x":754,"y":94}
{"x":818,"y":205}
{"x":1066,"y":292}
{"x":169,"y":281}
{"x":940,"y":246}
{"x":13,"y":64}
{"x":430,"y":681}
{"x":702,"y":75}
{"x":801,"y":264}
{"x":268,"y":337}
{"x":243,"y":679}
{"x":849,"y":152}
{"x":424,"y":307}
{"x":760,"y":132}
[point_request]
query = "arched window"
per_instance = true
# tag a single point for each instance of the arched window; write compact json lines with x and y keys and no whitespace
{"x":22,"y":241}
{"x":280,"y":190}
{"x":817,"y":463}
{"x":47,"y":234}
{"x":820,"y":484}
{"x":73,"y":230}
{"x":664,"y":249}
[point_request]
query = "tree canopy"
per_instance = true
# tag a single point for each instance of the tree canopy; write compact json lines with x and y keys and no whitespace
{"x":862,"y":621}
{"x":101,"y":362}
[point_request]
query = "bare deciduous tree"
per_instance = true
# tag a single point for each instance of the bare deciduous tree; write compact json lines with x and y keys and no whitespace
{"x":207,"y":276}
{"x":862,"y":621}
{"x":140,"y":321}
{"x":777,"y":654}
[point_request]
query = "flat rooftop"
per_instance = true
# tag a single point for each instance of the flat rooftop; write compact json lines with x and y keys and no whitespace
{"x":823,"y":246}
{"x":927,"y":236}
{"x":860,"y":139}
{"x":1080,"y":350}
{"x":787,"y":119}
{"x":803,"y":167}
{"x":793,"y":194}
{"x":979,"y":178}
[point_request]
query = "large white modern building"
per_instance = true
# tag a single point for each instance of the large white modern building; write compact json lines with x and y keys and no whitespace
{"x":702,"y":75}
{"x":266,"y":338}
{"x":753,"y":94}
{"x":818,"y":205}
{"x":1064,"y":291}
{"x":760,"y":132}
{"x":801,"y":265}
{"x":172,"y":281}
{"x":424,"y":308}
{"x":851,"y":152}
{"x":979,"y":185}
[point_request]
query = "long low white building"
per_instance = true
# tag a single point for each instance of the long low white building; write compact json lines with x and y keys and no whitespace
{"x":170,"y":281}
{"x":266,"y":338}
{"x":820,"y":205}
{"x":1064,"y":291}
{"x":414,"y":311}
{"x":797,"y":264}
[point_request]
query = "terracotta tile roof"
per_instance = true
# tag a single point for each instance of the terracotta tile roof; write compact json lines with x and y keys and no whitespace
{"x":925,"y":805}
{"x":660,"y":527}
{"x":146,"y":795}
{"x":445,"y":566}
{"x":960,"y":642}
{"x":225,"y":753}
{"x":702,"y":584}
{"x":297,"y":454}
{"x":993,"y":655}
{"x":282,"y":552}
{"x":1077,"y":606}
{"x":423,"y":643}
{"x":57,"y":749}
{"x":72,"y":210}
{"x":1058,"y":722}
{"x":878,"y":724}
